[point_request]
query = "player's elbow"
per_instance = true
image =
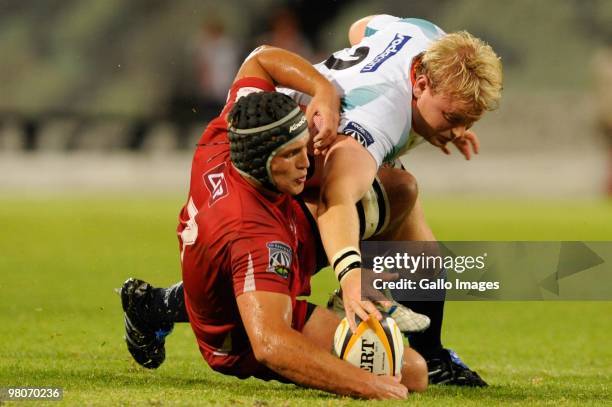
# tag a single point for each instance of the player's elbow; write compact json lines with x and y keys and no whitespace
{"x":403,"y":187}
{"x":266,"y":348}
{"x":263,"y":350}
{"x":357,"y":30}
{"x":261,"y":51}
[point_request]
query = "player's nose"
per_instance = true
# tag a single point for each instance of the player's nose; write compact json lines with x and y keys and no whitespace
{"x":302,"y":161}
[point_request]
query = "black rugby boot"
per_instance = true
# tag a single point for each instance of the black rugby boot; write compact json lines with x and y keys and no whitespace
{"x":145,"y":339}
{"x":447,"y":368}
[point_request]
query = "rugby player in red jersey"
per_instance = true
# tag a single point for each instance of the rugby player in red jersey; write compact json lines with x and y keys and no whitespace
{"x":248,"y":249}
{"x":248,"y":252}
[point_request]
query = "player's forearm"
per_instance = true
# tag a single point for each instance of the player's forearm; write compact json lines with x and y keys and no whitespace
{"x":291,"y":70}
{"x":347,"y":175}
{"x":338,"y":226}
{"x":293,"y":356}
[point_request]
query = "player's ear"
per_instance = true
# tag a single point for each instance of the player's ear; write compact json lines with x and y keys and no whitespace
{"x":421,"y":83}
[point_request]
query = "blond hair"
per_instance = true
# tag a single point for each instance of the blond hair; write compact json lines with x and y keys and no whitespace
{"x":466,"y":69}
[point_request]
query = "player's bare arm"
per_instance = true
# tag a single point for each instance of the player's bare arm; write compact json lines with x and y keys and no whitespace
{"x":285,"y":68}
{"x":348,"y":173}
{"x":267,"y":319}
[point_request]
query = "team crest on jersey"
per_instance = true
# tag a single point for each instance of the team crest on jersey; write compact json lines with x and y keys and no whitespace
{"x":279,"y":258}
{"x":356,"y":131}
{"x":393,"y":48}
{"x":214,"y":180}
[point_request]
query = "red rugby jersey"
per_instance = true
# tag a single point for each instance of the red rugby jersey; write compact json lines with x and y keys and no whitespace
{"x":234,"y":240}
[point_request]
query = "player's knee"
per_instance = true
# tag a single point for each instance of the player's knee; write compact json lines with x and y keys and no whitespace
{"x":402,"y":192}
{"x":404,"y":188}
{"x":421,"y":379}
{"x":415,"y":371}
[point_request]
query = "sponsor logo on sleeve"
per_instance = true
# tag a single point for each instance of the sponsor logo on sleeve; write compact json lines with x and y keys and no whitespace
{"x":393,"y":48}
{"x":279,"y":258}
{"x":359,"y":133}
{"x":214,"y":180}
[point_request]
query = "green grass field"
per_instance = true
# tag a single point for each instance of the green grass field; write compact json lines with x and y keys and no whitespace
{"x":61,"y":321}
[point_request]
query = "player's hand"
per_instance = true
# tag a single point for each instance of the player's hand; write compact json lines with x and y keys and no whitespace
{"x":351,"y":297}
{"x":388,"y":387}
{"x":466,"y":144}
{"x":323,"y":115}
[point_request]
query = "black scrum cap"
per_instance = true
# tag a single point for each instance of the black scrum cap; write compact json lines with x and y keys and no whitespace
{"x":261,"y":124}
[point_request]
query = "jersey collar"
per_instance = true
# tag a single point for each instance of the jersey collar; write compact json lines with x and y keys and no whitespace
{"x":276,"y":199}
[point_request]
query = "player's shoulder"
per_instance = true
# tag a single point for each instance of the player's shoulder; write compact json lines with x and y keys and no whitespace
{"x":220,"y":196}
{"x":231,"y":199}
{"x":409,"y":26}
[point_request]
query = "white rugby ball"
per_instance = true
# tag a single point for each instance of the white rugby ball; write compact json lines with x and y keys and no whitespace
{"x":376,"y":346}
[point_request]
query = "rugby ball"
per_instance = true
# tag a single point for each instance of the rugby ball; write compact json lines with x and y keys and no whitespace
{"x":376,"y":346}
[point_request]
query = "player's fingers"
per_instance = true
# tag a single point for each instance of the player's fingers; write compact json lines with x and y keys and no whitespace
{"x":313,"y":131}
{"x":311,"y":110}
{"x":324,"y":146}
{"x":319,"y":149}
{"x":403,"y":393}
{"x":350,"y":316}
{"x":317,"y":143}
{"x":465,"y":150}
{"x":463,"y":147}
{"x":399,"y":391}
{"x":361,"y":313}
{"x":327,"y":118}
{"x":321,"y":140}
{"x":445,"y":150}
{"x":475,"y":143}
{"x":371,"y":309}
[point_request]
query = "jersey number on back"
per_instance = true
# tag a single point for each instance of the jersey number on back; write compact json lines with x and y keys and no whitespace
{"x":190,"y":233}
{"x":353,"y":59}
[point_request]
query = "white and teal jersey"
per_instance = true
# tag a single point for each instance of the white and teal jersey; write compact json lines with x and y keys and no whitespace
{"x":373,"y":79}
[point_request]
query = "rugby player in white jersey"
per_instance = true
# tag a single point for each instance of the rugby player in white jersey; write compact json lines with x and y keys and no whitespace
{"x":403,"y":81}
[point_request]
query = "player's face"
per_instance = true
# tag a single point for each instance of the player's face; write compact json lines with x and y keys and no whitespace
{"x":290,"y":165}
{"x":436,"y":116}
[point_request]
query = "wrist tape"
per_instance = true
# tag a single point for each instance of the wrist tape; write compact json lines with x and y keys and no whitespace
{"x":346,"y":260}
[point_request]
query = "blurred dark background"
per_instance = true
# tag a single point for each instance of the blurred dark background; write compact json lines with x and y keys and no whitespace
{"x":144,"y":76}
